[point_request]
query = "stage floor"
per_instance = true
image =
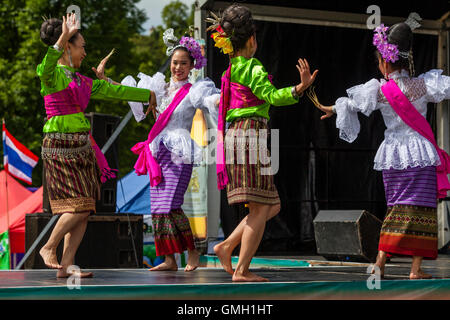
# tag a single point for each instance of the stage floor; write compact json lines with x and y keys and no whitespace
{"x":290,"y":278}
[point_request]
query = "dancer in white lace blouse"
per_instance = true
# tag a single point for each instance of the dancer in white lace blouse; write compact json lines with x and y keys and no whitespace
{"x":414,"y":168}
{"x":169,"y":152}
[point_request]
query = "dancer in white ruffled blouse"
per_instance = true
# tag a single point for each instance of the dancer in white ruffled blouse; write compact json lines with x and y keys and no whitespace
{"x":410,"y":161}
{"x":176,"y":136}
{"x":171,"y":147}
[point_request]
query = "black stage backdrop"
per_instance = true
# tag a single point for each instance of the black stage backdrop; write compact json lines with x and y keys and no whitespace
{"x":319,"y":171}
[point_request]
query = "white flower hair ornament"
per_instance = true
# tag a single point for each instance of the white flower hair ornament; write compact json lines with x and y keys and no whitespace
{"x":189,"y":43}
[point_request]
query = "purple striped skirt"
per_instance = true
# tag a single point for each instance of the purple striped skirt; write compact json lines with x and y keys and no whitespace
{"x":411,"y":186}
{"x":169,"y":194}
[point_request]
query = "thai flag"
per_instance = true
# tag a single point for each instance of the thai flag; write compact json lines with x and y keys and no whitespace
{"x":17,"y":159}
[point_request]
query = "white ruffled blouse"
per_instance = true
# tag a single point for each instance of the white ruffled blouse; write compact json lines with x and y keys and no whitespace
{"x":176,"y":135}
{"x":402,"y":146}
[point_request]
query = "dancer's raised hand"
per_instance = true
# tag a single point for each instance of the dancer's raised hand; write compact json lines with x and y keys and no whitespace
{"x":70,"y":25}
{"x":69,"y":28}
{"x":305,"y":75}
{"x":100,"y":70}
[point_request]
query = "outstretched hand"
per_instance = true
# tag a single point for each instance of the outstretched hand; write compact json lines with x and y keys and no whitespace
{"x":305,"y":75}
{"x":327,"y":109}
{"x":152,"y":105}
{"x":100,"y":70}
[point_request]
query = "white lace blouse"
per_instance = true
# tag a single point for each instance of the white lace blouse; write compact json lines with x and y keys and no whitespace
{"x":176,"y":136}
{"x":402,"y":146}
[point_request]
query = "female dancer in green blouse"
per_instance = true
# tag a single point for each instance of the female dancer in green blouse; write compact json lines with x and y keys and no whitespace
{"x":74,"y":164}
{"x":246,"y":96}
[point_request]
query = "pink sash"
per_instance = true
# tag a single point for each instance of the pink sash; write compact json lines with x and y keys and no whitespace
{"x":409,"y":114}
{"x":222,"y":175}
{"x":146,"y":161}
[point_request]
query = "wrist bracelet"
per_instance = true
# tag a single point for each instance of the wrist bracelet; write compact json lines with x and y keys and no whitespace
{"x":109,"y":80}
{"x":294,"y":93}
{"x":57,"y":48}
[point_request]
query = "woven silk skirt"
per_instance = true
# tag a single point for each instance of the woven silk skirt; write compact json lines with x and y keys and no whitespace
{"x":171,"y":227}
{"x":71,"y":172}
{"x":248,"y":180}
{"x":410,"y":226}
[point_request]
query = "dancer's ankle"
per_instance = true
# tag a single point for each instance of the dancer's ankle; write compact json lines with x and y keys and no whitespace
{"x":47,"y":247}
{"x":170,"y":259}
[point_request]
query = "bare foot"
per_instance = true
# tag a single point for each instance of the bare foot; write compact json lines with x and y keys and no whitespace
{"x":49,"y":257}
{"x":248,"y":277}
{"x":165,"y":266}
{"x":419,"y":275}
{"x":65,"y":274}
{"x":193,"y":259}
{"x":224,"y":256}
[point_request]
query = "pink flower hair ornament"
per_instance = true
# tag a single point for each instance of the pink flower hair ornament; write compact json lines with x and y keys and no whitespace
{"x":189,"y":43}
{"x":388,"y":51}
{"x":195,"y":50}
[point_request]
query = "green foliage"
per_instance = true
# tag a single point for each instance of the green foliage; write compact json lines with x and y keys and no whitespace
{"x":175,"y":16}
{"x":105,"y":25}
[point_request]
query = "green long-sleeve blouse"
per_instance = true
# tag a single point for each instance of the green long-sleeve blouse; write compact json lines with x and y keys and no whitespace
{"x":251,"y":73}
{"x":56,"y":77}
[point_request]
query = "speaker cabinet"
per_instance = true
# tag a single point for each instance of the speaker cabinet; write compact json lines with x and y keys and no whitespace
{"x":112,"y":240}
{"x":102,"y":127}
{"x":347,"y":235}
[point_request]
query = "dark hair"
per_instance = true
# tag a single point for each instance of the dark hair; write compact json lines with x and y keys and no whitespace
{"x":401,"y":35}
{"x":237,"y":23}
{"x":182,"y":49}
{"x":51,"y":30}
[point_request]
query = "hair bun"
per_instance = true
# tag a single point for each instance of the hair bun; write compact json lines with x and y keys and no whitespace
{"x":401,"y":35}
{"x":237,"y":23}
{"x":51,"y":30}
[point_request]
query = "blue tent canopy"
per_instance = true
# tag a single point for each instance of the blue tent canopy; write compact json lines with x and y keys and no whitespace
{"x":133,"y":194}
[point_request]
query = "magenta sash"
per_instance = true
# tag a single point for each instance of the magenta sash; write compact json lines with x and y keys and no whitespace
{"x":242,"y":97}
{"x":74,"y":99}
{"x":409,"y":114}
{"x":233,"y":96}
{"x":146,"y":161}
{"x":222,"y":175}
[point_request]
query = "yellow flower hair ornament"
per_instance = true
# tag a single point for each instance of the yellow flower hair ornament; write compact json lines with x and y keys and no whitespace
{"x":222,"y":41}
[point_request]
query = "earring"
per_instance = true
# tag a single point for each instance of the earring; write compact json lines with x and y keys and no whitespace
{"x":70,"y":57}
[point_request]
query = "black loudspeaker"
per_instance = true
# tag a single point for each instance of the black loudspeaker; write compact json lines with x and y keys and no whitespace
{"x":102,"y":127}
{"x":347,"y":235}
{"x":112,"y":240}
